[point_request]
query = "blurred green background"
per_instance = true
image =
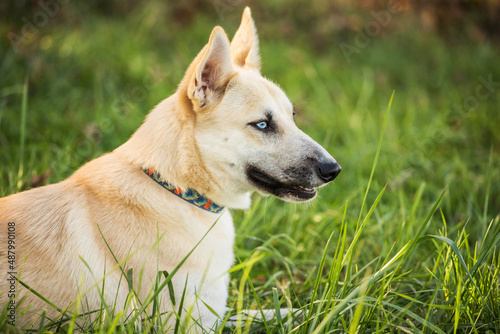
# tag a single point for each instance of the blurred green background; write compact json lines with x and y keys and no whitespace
{"x":77,"y":78}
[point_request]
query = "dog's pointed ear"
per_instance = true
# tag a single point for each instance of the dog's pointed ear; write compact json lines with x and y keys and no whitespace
{"x":212,"y":70}
{"x":245,"y":43}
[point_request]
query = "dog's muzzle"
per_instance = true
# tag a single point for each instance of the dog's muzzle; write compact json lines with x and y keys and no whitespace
{"x":299,"y":184}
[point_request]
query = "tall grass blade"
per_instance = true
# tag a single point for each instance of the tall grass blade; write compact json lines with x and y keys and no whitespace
{"x":354,"y":293}
{"x":360,"y":228}
{"x":130,"y":285}
{"x":259,"y":306}
{"x":353,"y":327}
{"x":277,"y":309}
{"x":424,"y":225}
{"x":379,"y":147}
{"x":130,"y":279}
{"x":112,"y":327}
{"x":411,"y":315}
{"x":257,"y":256}
{"x":42,"y":322}
{"x":181,"y":305}
{"x":170,"y":287}
{"x":156,"y":302}
{"x":486,"y":250}
{"x":24,"y":109}
{"x":455,"y":249}
{"x":48,"y":302}
{"x":320,"y":271}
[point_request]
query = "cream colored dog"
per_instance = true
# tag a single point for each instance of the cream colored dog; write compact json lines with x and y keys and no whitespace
{"x":225,"y":133}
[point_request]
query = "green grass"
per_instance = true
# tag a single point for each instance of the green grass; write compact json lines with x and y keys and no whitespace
{"x":405,"y":240}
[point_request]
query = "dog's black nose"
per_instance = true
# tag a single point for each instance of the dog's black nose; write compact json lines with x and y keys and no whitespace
{"x":329,"y":170}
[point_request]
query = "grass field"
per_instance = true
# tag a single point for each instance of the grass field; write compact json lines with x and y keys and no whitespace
{"x":405,"y":240}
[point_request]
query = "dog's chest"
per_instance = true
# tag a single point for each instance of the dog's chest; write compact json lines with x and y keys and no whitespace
{"x":203,"y":242}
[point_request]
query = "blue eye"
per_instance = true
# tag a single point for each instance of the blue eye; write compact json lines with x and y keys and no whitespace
{"x":262,"y":125}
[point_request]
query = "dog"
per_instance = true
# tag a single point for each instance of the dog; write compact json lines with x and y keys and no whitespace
{"x":225,"y":133}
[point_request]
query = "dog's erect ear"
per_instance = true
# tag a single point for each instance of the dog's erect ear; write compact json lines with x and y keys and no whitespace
{"x":212,"y":70}
{"x":245,"y":43}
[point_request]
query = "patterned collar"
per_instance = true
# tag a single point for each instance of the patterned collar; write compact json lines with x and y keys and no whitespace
{"x":189,"y":195}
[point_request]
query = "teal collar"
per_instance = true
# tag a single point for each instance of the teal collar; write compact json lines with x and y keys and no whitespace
{"x":189,"y":195}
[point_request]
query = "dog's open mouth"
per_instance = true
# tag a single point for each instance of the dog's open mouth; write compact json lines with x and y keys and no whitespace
{"x":279,"y":189}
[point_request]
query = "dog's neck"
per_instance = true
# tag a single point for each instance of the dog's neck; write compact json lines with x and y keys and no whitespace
{"x":189,"y":195}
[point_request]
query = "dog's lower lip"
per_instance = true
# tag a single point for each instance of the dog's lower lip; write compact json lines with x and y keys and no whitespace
{"x":275,"y":187}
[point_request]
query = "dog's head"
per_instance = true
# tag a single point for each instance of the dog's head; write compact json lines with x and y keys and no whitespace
{"x":244,"y":124}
